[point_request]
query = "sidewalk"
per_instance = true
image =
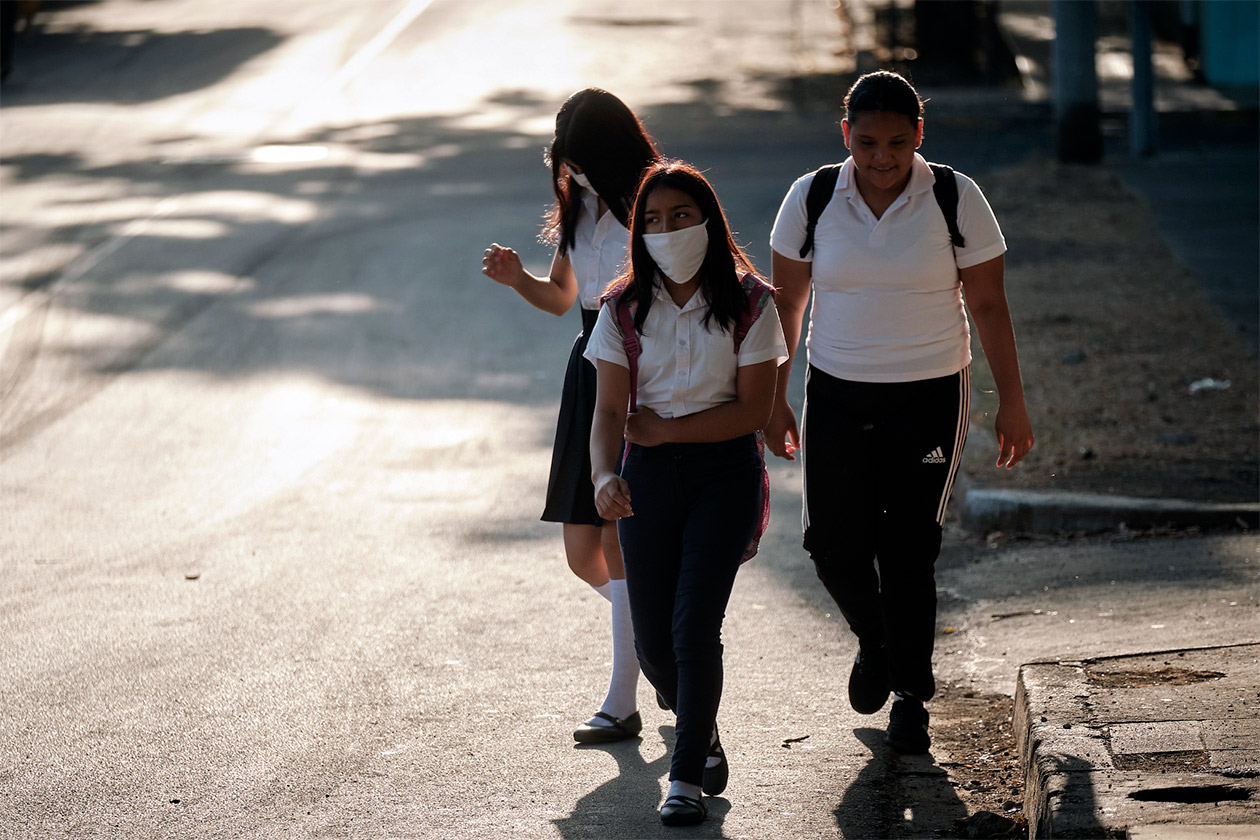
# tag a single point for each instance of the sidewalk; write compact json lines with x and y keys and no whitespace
{"x":1168,"y":742}
{"x":1148,"y":745}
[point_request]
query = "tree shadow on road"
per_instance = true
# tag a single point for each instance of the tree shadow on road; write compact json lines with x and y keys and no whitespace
{"x":129,"y":66}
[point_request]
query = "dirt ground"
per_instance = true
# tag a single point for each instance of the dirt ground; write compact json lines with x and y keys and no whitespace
{"x":1125,"y":362}
{"x":973,"y":740}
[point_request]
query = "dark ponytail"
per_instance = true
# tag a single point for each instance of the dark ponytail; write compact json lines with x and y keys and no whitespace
{"x":883,"y":90}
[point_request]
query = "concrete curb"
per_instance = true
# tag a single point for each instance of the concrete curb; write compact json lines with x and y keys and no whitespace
{"x":984,"y":510}
{"x":1158,"y":739}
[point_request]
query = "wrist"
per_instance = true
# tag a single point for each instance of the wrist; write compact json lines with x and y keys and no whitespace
{"x":517,"y":282}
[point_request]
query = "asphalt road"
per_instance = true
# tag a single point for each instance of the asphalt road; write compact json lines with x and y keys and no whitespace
{"x":272,"y":450}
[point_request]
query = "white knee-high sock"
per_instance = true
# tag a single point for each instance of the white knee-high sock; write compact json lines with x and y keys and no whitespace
{"x":622,"y":690}
{"x":605,"y":590}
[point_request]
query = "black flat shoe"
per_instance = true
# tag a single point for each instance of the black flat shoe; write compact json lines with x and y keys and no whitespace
{"x":868,"y":681}
{"x":618,"y":729}
{"x":715,"y":777}
{"x":683,"y":810}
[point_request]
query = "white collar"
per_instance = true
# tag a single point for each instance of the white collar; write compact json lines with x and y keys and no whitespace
{"x":660,"y":294}
{"x":921,"y":178}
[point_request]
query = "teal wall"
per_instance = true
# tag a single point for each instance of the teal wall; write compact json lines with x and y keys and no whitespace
{"x":1230,"y":40}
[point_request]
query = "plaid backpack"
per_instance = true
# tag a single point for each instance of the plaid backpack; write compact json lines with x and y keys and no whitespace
{"x":759,"y":293}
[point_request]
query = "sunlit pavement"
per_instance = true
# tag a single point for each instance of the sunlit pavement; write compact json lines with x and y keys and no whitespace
{"x":272,"y":450}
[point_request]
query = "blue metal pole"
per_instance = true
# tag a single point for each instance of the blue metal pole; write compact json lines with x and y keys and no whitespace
{"x":1143,"y":121}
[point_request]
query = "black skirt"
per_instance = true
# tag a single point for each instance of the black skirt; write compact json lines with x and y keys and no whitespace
{"x":570,"y":494}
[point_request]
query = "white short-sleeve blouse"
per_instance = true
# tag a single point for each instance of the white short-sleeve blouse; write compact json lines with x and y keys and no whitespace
{"x":686,"y":367}
{"x":888,"y":304}
{"x":598,"y":255}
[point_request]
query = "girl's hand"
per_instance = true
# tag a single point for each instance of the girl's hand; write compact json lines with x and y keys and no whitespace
{"x":646,"y":428}
{"x":783,"y":437}
{"x":1014,"y":434}
{"x":612,"y":498}
{"x":502,"y":265}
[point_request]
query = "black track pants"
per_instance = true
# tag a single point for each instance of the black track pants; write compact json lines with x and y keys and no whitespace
{"x":880,"y":460}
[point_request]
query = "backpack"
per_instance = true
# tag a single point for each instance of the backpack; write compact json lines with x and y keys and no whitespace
{"x":759,"y":293}
{"x":824,"y":186}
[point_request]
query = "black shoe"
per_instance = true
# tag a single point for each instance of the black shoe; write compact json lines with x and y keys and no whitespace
{"x":683,"y":810}
{"x":618,"y":730}
{"x":715,"y":777}
{"x":868,"y":681}
{"x":908,"y":727}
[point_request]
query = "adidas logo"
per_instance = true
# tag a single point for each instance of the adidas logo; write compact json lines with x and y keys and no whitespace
{"x":936,"y":456}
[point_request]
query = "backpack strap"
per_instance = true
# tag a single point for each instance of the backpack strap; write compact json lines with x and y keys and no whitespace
{"x":945,"y":188}
{"x":820,"y":191}
{"x":759,"y":293}
{"x":623,"y":310}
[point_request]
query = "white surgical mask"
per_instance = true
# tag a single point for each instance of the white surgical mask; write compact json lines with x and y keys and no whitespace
{"x":580,"y":179}
{"x":679,"y":253}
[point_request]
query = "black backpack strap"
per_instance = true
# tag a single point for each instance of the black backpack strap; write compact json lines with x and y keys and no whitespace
{"x":816,"y":200}
{"x":945,"y":189}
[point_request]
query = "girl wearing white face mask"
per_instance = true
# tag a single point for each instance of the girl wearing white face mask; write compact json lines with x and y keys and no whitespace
{"x":687,"y":499}
{"x":597,"y":157}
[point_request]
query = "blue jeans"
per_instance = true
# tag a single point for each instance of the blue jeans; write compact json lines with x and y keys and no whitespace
{"x":696,"y":506}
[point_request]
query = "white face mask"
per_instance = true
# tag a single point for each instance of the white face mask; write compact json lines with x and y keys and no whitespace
{"x":679,"y":253}
{"x":580,"y":179}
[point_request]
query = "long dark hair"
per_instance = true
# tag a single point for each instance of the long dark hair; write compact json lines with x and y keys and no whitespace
{"x":719,"y":280}
{"x":596,"y":131}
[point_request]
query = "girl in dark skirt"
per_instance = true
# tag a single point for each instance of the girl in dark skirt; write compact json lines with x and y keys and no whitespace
{"x":597,"y":157}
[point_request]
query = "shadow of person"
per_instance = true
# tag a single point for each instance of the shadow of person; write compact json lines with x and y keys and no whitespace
{"x":863,"y":810}
{"x":927,"y":802}
{"x":627,"y":804}
{"x":897,"y":795}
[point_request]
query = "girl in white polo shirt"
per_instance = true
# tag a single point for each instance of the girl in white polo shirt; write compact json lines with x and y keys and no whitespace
{"x":688,"y":497}
{"x":888,"y":384}
{"x":597,"y":157}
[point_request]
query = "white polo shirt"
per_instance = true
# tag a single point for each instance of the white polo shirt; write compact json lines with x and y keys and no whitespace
{"x":685,"y":367}
{"x":599,"y":250}
{"x":888,"y":304}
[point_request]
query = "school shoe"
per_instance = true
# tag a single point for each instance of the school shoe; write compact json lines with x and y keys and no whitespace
{"x":619,"y":729}
{"x":908,"y":726}
{"x":715,"y":777}
{"x":683,"y":810}
{"x":868,"y":681}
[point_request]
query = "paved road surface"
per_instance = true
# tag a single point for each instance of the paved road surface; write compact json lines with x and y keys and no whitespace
{"x":271,"y":449}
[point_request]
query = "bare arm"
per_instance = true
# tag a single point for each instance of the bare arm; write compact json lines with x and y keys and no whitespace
{"x":985,"y":292}
{"x":612,"y":397}
{"x":748,"y":412}
{"x":791,"y":278}
{"x":554,"y":293}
